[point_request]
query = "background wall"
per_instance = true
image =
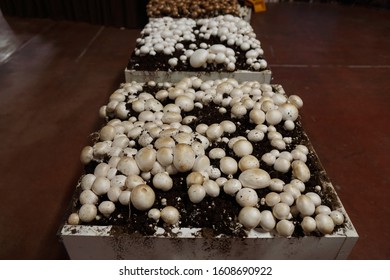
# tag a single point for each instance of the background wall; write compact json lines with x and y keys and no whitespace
{"x":117,"y":13}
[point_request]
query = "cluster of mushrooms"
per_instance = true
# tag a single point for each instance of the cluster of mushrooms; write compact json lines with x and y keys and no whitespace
{"x":191,"y":8}
{"x":150,"y":137}
{"x":168,"y":36}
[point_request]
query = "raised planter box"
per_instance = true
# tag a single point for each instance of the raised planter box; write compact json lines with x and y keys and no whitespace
{"x":115,"y":242}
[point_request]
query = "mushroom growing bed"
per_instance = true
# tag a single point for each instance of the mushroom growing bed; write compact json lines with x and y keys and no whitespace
{"x":197,"y":8}
{"x":204,"y":170}
{"x":210,"y":48}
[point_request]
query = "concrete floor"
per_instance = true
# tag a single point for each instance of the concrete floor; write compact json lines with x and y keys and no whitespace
{"x":335,"y":57}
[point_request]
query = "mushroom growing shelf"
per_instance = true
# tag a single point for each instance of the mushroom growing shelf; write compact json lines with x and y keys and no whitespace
{"x":170,"y":49}
{"x":147,"y":118}
{"x":198,"y":9}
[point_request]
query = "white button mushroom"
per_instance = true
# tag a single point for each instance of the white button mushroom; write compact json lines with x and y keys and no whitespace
{"x":232,"y":186}
{"x":278,"y":143}
{"x":228,"y":126}
{"x":202,"y":163}
{"x":308,"y":224}
{"x":325,"y":223}
{"x":111,"y":174}
{"x":228,"y":165}
{"x":171,"y":117}
{"x":154,"y":214}
{"x":87,"y":181}
{"x":323,"y":209}
{"x":165,"y":156}
{"x":249,"y":217}
{"x":315,"y":198}
{"x":162,"y":181}
{"x":198,"y":58}
{"x":217,"y":153}
{"x":296,"y":101}
{"x":300,"y":170}
{"x":183,"y":157}
{"x":185,"y":103}
{"x":255,"y":135}
{"x":282,"y":165}
{"x":88,"y":197}
{"x":194,"y":178}
{"x":170,"y":215}
{"x":273,"y":117}
{"x":242,"y":148}
{"x":101,"y":185}
{"x":298,"y":184}
{"x":196,"y":193}
{"x":87,"y":213}
{"x":269,"y":159}
{"x":305,"y":205}
{"x":289,"y":111}
{"x":267,"y":221}
{"x":281,"y":211}
{"x":157,"y":168}
{"x":124,"y":198}
{"x":289,"y":125}
{"x":247,"y":197}
{"x":337,"y":217}
{"x":86,"y":154}
{"x":101,"y":170}
{"x":255,"y":178}
{"x":128,"y":166}
{"x":272,"y":198}
{"x":145,"y":158}
{"x":214,"y":132}
{"x":220,"y":181}
{"x":142,"y":197}
{"x":74,"y":219}
{"x":292,"y":189}
{"x":132,"y":181}
{"x":298,"y":155}
{"x":274,"y":135}
{"x":285,"y":228}
{"x":107,"y":133}
{"x":276,"y":185}
{"x":173,"y":62}
{"x":211,"y":187}
{"x":248,"y":162}
{"x":303,"y":149}
{"x":286,"y":155}
{"x":238,"y":110}
{"x":114,"y":193}
{"x":287,"y":198}
{"x":257,"y":116}
{"x":106,"y":208}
